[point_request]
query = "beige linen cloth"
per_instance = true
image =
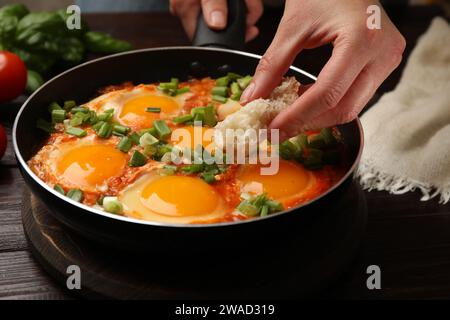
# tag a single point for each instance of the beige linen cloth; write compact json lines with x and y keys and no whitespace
{"x":407,"y":133}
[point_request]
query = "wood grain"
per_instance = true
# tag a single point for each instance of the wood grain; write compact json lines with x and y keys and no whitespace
{"x":407,"y":238}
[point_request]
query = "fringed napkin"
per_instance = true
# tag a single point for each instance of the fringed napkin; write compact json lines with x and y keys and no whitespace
{"x":407,"y":133}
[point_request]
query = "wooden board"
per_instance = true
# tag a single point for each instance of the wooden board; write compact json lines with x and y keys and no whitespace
{"x":304,"y":267}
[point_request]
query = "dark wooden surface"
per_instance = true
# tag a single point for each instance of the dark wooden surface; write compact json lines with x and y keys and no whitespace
{"x":407,"y":238}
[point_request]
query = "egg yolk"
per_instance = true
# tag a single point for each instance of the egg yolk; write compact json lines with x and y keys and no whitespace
{"x":180,"y":196}
{"x":188,"y":139}
{"x":291,"y":179}
{"x":90,"y":165}
{"x":134,"y":112}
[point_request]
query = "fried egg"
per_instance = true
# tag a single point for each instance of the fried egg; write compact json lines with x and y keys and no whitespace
{"x":130,"y":105}
{"x":172,"y":199}
{"x":86,"y":163}
{"x":291,"y":181}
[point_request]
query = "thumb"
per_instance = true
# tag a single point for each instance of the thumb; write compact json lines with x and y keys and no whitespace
{"x":275,"y":62}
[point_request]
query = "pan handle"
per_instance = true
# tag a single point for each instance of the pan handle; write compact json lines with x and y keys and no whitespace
{"x":232,"y":37}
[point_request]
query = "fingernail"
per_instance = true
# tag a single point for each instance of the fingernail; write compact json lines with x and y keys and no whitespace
{"x":217,"y":19}
{"x":247,"y":94}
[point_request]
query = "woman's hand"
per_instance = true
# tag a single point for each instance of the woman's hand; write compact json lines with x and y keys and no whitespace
{"x":215,"y":13}
{"x":361,"y":60}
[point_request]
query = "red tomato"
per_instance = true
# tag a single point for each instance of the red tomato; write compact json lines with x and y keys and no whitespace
{"x":2,"y":141}
{"x":13,"y":76}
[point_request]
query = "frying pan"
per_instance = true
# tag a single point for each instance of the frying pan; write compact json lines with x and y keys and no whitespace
{"x":154,"y":65}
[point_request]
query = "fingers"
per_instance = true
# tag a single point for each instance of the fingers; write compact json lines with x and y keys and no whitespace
{"x":332,"y":84}
{"x":251,"y":33}
{"x":273,"y":65}
{"x":255,"y":10}
{"x":215,"y":13}
{"x":187,"y":11}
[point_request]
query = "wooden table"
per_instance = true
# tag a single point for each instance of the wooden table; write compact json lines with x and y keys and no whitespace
{"x":407,"y":238}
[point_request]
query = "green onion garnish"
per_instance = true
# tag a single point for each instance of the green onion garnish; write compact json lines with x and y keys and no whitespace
{"x":125,"y":144}
{"x":77,"y":119}
{"x":54,"y":106}
{"x":233,"y":76}
{"x":105,"y":116}
{"x":264,"y":210}
{"x":77,"y":132}
{"x":183,"y":118}
{"x":98,"y":125}
{"x":193,"y":168}
{"x":162,"y":130}
{"x":289,"y":150}
{"x":134,"y":137}
{"x":58,"y":115}
{"x":244,"y":82}
{"x":79,"y":109}
{"x":259,"y":205}
{"x":209,"y":177}
{"x":105,"y":130}
{"x":181,"y":90}
{"x":75,"y":194}
{"x":137,"y":159}
{"x":59,"y":189}
{"x":313,"y":160}
{"x":219,"y":99}
{"x":121,"y":129}
{"x":68,"y":105}
{"x":112,"y":205}
{"x":222,"y":81}
{"x":168,"y":170}
{"x":153,"y":109}
{"x":147,"y":140}
{"x":219,"y":91}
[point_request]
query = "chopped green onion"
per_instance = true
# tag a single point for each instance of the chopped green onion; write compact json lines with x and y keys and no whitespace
{"x":105,"y":116}
{"x":79,"y":109}
{"x":105,"y":130}
{"x":209,"y":117}
{"x":100,"y":200}
{"x":222,"y":81}
{"x":147,"y":140}
{"x":168,"y":170}
{"x":76,"y":132}
{"x":274,"y":206}
{"x":125,"y":144}
{"x":236,"y":91}
{"x":219,"y":99}
{"x":163,"y":86}
{"x":54,"y":106}
{"x":98,"y":125}
{"x":302,"y":140}
{"x":289,"y":150}
{"x":163,"y":149}
{"x":121,"y":129}
{"x":181,"y":90}
{"x":233,"y":76}
{"x":264,"y":210}
{"x":137,"y":159}
{"x":209,"y":177}
{"x":244,"y":82}
{"x":153,"y":109}
{"x":59,"y":189}
{"x":58,"y":115}
{"x":77,"y":119}
{"x":134,"y":137}
{"x":75,"y":194}
{"x":219,"y":91}
{"x":68,"y":105}
{"x":112,"y":205}
{"x":109,"y":110}
{"x":150,"y":151}
{"x":92,"y":117}
{"x":162,"y":130}
{"x":183,"y":118}
{"x":193,"y":168}
{"x":247,"y":208}
{"x":328,"y":137}
{"x":175,"y":81}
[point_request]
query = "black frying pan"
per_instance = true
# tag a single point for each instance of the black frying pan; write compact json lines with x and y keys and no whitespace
{"x":153,"y":65}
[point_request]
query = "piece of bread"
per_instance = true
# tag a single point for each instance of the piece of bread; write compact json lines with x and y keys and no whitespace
{"x":260,"y":112}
